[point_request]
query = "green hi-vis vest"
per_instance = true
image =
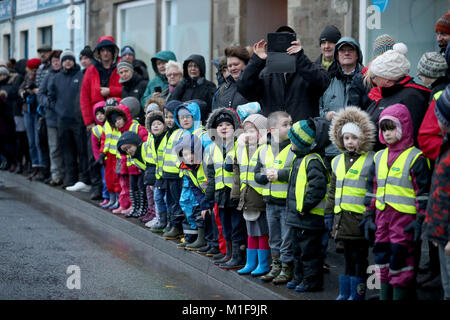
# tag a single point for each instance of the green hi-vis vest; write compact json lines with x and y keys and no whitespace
{"x":283,"y":160}
{"x":171,"y":161}
{"x":153,"y":156}
{"x":394,"y":185}
{"x":247,"y":169}
{"x":223,"y":178}
{"x":351,"y":185}
{"x":97,"y":131}
{"x":302,"y":185}
{"x":200,"y":180}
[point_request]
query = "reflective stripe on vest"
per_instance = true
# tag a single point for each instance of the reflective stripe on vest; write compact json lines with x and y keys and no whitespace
{"x":302,"y":185}
{"x":160,"y":157}
{"x":134,"y":128}
{"x":141,"y":165}
{"x":351,"y":185}
{"x":108,"y":133}
{"x":437,"y":94}
{"x":115,"y":135}
{"x":171,"y":163}
{"x":283,"y":160}
{"x":247,"y":169}
{"x":97,"y":131}
{"x":223,"y":177}
{"x":394,"y":185}
{"x":200,"y":181}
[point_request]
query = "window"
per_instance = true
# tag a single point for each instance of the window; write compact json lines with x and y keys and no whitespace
{"x":45,"y":36}
{"x":24,"y":44}
{"x":187,"y":29}
{"x":6,"y":49}
{"x":409,"y":21}
{"x":136,"y":27}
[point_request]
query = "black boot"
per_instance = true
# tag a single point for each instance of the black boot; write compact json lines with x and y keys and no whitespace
{"x":144,"y":204}
{"x":237,"y":260}
{"x":133,"y":199}
{"x":220,"y":258}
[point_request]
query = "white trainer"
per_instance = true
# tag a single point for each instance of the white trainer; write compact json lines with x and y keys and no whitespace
{"x":79,"y":186}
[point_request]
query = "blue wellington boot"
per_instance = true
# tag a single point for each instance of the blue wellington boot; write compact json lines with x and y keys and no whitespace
{"x":263,"y":263}
{"x":252,"y":261}
{"x":357,"y":288}
{"x":344,"y":287}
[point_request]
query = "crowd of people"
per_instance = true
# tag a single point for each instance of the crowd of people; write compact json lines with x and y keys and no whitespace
{"x":258,"y":172}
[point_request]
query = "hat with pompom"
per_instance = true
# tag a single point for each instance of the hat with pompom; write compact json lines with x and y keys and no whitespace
{"x":392,"y":64}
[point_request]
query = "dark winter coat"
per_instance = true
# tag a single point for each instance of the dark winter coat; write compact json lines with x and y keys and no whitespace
{"x":437,"y":217}
{"x":228,"y":96}
{"x":141,"y":68}
{"x":43,"y":99}
{"x":195,"y":88}
{"x":42,"y":72}
{"x":407,"y":92}
{"x":135,"y":87}
{"x":11,"y":86}
{"x":64,"y":94}
{"x":296,"y":93}
{"x":331,"y":70}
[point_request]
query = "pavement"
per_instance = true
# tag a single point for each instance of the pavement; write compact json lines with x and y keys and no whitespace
{"x":79,"y":213}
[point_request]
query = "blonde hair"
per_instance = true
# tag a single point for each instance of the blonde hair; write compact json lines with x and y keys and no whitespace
{"x":174,"y":64}
{"x":274,"y":117}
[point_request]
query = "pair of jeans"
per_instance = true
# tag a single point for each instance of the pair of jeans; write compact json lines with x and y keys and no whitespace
{"x":56,"y":154}
{"x":280,"y":239}
{"x":160,"y":196}
{"x":31,"y":127}
{"x":174,"y":188}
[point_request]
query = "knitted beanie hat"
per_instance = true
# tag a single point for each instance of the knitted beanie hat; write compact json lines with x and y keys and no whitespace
{"x":258,"y":120}
{"x":86,"y":52}
{"x":302,"y":134}
{"x":128,"y":137}
{"x":382,"y":44}
{"x":392,"y":64}
{"x":432,"y":65}
{"x":351,"y":127}
{"x":125,"y":64}
{"x":442,"y":109}
{"x":223,"y":117}
{"x":443,"y":24}
{"x":4,"y":71}
{"x":330,"y":33}
{"x":33,"y":63}
{"x":127,"y":50}
{"x":133,"y":105}
{"x":67,"y":54}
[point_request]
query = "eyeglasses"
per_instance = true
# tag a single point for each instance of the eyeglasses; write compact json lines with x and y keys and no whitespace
{"x":169,"y":75}
{"x":184,"y":117}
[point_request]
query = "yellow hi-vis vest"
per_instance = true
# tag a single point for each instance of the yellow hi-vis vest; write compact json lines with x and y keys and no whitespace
{"x":283,"y":160}
{"x":97,"y":131}
{"x":223,"y":178}
{"x":200,"y":180}
{"x":108,"y":138}
{"x":302,"y":185}
{"x":141,"y":165}
{"x":247,"y":169}
{"x":394,"y":185}
{"x":134,"y":128}
{"x":153,"y":156}
{"x":351,"y":185}
{"x":171,"y":161}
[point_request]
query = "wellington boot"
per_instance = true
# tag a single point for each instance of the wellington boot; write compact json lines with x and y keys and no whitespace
{"x":161,"y":224}
{"x":275,"y":269}
{"x":263,"y":263}
{"x":199,"y":242}
{"x":344,"y":287}
{"x":400,"y":293}
{"x":237,"y":260}
{"x":252,"y":261}
{"x":386,"y":291}
{"x":218,"y":259}
{"x":173,"y":234}
{"x":357,"y":288}
{"x":285,"y":275}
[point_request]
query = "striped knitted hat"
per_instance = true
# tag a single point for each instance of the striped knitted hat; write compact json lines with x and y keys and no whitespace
{"x":382,"y":44}
{"x":443,"y":24}
{"x":302,"y":134}
{"x":432,"y":65}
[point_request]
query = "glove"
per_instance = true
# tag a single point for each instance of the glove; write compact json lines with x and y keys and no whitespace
{"x":101,"y":160}
{"x":368,"y":223}
{"x":416,"y":226}
{"x":328,"y":220}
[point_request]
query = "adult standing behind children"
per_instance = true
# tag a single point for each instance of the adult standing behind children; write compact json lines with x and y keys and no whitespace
{"x":328,"y":38}
{"x":129,"y":55}
{"x":296,"y":93}
{"x":65,"y":96}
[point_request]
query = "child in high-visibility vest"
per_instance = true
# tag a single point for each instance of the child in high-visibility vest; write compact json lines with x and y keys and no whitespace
{"x":306,"y":197}
{"x":222,"y":126}
{"x":396,"y":199}
{"x":107,"y":159}
{"x":131,"y":178}
{"x":272,"y":171}
{"x":96,"y":135}
{"x":154,"y":122}
{"x":353,"y":134}
{"x":249,"y":193}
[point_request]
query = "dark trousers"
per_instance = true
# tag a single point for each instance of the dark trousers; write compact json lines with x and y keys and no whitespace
{"x":43,"y":145}
{"x":73,"y":140}
{"x":211,"y":230}
{"x":95,"y":173}
{"x":355,"y":254}
{"x":22,"y":147}
{"x":174,"y":188}
{"x":233,"y":225}
{"x":308,"y":259}
{"x":137,"y":182}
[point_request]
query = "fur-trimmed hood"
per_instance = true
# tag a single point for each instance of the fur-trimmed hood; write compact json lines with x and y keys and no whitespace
{"x":360,"y":118}
{"x":211,"y":129}
{"x":124,"y":112}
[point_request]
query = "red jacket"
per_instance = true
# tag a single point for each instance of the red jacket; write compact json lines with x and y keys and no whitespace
{"x":90,"y":92}
{"x":430,"y":135}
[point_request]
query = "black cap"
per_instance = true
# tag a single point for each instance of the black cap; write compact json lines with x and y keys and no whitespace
{"x":86,"y":52}
{"x":330,"y":33}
